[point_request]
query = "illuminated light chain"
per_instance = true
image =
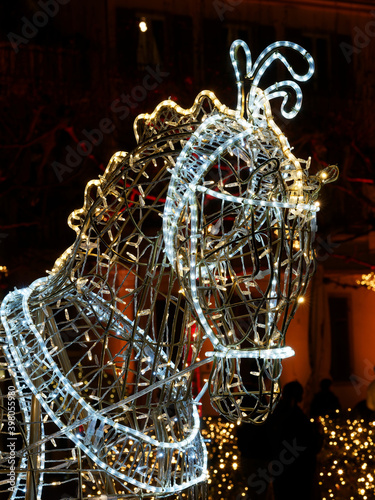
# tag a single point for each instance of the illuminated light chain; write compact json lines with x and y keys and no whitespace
{"x":203,"y":231}
{"x":220,"y":196}
{"x":240,"y":86}
{"x":67,"y":392}
{"x":226,"y":477}
{"x":276,"y":188}
{"x":66,"y":389}
{"x":181,"y":114}
{"x":183,"y":452}
{"x":207,"y":145}
{"x":367,"y":280}
{"x":277,"y":353}
{"x":347,"y":460}
{"x":255,"y":73}
{"x":24,"y":399}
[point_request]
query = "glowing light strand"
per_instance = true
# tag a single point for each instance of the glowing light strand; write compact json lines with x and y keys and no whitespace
{"x":218,"y":258}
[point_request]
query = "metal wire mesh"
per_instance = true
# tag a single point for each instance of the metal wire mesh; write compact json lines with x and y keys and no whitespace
{"x":203,"y":232}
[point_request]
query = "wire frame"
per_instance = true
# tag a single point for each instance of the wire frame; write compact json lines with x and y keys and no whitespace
{"x":203,"y":232}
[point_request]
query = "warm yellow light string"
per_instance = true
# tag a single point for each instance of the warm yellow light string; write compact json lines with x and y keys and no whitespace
{"x":367,"y":280}
{"x":347,"y":460}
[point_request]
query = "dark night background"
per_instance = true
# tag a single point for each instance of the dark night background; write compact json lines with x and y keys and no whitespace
{"x":66,"y":74}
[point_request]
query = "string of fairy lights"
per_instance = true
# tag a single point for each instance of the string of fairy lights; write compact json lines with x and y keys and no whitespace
{"x":223,"y":457}
{"x":367,"y":280}
{"x":203,"y":231}
{"x":346,"y":462}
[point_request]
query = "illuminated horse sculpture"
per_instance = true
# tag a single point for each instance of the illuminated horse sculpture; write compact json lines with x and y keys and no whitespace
{"x":204,"y":231}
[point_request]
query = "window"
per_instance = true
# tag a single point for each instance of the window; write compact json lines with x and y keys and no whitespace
{"x":333,"y":76}
{"x":182,"y":44}
{"x":136,"y":49}
{"x":126,"y":38}
{"x":340,"y":345}
{"x":218,"y":37}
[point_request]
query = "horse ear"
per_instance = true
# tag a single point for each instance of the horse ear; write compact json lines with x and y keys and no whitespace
{"x":324,"y":176}
{"x":328,"y":174}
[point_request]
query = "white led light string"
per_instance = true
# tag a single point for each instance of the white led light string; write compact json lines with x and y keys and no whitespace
{"x":146,"y":442}
{"x":255,"y":72}
{"x":66,"y":391}
{"x":24,"y":400}
{"x":263,"y":202}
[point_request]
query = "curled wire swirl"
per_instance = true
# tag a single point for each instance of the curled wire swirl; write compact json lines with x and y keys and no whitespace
{"x":254,"y":72}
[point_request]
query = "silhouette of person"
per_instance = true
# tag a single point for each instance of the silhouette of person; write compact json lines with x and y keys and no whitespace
{"x":325,"y":402}
{"x":254,"y":445}
{"x":295,"y":442}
